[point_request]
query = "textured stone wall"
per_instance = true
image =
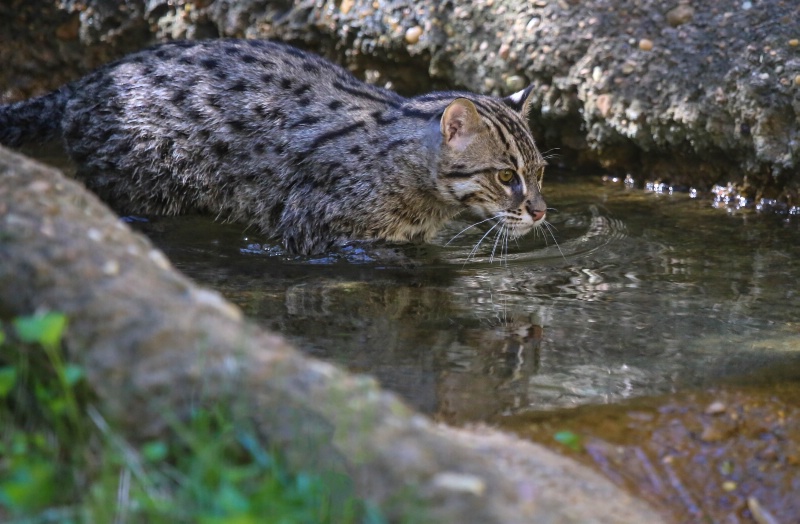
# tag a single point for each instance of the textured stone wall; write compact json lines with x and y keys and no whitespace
{"x":693,"y":92}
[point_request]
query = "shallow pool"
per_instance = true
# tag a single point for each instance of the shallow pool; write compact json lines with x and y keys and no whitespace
{"x":644,"y":294}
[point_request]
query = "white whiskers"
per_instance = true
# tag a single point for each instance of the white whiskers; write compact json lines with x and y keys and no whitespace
{"x":550,"y":228}
{"x":478,"y":244}
{"x":503,"y":234}
{"x":500,"y":234}
{"x":468,"y":228}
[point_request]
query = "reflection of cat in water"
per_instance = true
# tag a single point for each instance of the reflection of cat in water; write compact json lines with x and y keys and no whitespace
{"x":412,"y":339}
{"x":494,"y":381}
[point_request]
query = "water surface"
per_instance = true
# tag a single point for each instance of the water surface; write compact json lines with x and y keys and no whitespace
{"x":645,"y":294}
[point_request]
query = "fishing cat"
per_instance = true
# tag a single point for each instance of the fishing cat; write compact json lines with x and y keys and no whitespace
{"x":264,"y":133}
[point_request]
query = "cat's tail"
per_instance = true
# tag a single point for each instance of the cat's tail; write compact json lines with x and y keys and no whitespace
{"x":34,"y":120}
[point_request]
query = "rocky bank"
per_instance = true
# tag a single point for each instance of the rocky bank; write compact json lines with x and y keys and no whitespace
{"x":691,"y":92}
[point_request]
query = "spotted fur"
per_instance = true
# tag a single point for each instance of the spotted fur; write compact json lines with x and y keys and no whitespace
{"x":264,"y":133}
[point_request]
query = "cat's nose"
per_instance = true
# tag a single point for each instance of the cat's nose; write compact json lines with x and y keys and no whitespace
{"x":536,"y":212}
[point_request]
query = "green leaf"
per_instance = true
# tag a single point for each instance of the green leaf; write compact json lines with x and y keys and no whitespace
{"x":155,"y":451}
{"x":8,"y":377}
{"x":45,"y":329}
{"x":569,"y":439}
{"x":232,"y":501}
{"x":29,"y":486}
{"x":73,"y":373}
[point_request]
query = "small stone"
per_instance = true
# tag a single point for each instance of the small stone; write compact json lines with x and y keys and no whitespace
{"x":158,"y":258}
{"x":111,"y":268}
{"x":39,"y":186}
{"x":516,"y":83}
{"x":94,"y":234}
{"x":645,"y":44}
{"x":797,"y":80}
{"x":794,"y":42}
{"x":413,"y":34}
{"x":716,"y":408}
{"x":603,"y":103}
{"x":680,"y":15}
{"x":728,"y":485}
{"x":504,"y":50}
{"x":452,"y":481}
{"x":346,"y":6}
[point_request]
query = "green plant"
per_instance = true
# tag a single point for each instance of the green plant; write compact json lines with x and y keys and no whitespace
{"x":61,"y":461}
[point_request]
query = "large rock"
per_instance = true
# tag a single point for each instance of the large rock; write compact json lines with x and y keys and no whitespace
{"x":696,"y":92}
{"x":154,"y":345}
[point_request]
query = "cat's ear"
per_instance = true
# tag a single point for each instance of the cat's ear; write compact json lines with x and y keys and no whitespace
{"x":520,"y":101}
{"x":460,"y":123}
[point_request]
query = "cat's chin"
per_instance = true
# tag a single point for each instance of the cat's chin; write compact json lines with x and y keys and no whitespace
{"x":520,"y":230}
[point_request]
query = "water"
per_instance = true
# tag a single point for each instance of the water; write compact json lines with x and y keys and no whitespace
{"x":646,"y":294}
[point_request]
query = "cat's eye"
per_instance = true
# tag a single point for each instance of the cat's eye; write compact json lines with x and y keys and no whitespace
{"x":505,"y":176}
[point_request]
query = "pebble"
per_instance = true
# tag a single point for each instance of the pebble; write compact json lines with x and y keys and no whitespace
{"x":346,"y":6}
{"x":645,"y":44}
{"x":516,"y":83}
{"x":797,"y":80}
{"x":794,"y":42}
{"x":716,"y":408}
{"x":453,"y":481}
{"x":504,"y":50}
{"x":603,"y":103}
{"x":413,"y":34}
{"x":680,"y":15}
{"x":111,"y":268}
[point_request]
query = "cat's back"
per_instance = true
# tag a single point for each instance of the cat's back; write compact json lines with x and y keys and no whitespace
{"x":226,"y":71}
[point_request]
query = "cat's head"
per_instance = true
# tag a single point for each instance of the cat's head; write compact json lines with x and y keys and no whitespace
{"x":489,"y":162}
